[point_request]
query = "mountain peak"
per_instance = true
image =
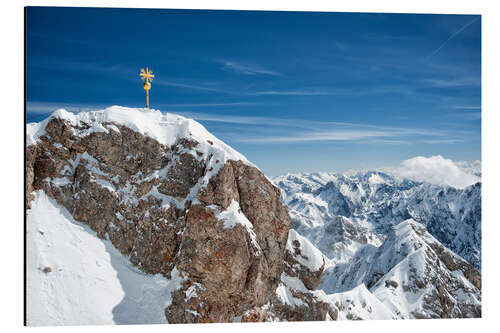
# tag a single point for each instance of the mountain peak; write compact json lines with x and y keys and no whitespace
{"x":166,"y":128}
{"x":171,"y":198}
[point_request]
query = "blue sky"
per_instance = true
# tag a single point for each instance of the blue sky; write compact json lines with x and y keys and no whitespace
{"x":293,"y":91}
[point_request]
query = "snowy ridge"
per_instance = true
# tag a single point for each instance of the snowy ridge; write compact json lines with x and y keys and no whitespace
{"x":309,"y":256}
{"x":133,"y":177}
{"x":357,"y":303}
{"x":166,"y":128}
{"x":414,"y":262}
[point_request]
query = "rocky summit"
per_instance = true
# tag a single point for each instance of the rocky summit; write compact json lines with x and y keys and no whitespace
{"x":169,"y":196}
{"x":164,"y":223}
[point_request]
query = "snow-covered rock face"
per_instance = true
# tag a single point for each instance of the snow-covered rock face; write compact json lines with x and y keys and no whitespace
{"x":422,"y":278}
{"x":413,"y":275}
{"x":171,"y":198}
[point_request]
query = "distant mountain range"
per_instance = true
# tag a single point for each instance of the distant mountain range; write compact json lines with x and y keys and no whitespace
{"x":341,"y":213}
{"x":415,"y":246}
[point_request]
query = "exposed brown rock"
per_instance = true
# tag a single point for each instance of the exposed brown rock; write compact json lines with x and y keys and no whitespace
{"x":134,"y":190}
{"x":312,"y":310}
{"x":311,"y":279}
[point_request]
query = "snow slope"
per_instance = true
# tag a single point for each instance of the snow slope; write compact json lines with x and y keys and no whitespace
{"x":309,"y":256}
{"x":75,"y":278}
{"x":354,"y":304}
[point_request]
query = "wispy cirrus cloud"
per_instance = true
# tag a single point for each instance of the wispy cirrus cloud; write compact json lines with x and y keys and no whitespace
{"x":468,"y":115}
{"x":36,"y":107}
{"x":454,"y":82}
{"x":210,"y":104}
{"x":444,"y":141}
{"x":246,"y":69}
{"x":291,"y":93}
{"x":376,"y":135}
{"x":462,"y":28}
{"x":272,"y":130}
{"x":190,"y":86}
{"x":332,"y":135}
{"x":471,"y":107}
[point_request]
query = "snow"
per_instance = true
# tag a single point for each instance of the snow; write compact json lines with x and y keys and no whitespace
{"x":359,"y":302}
{"x":371,"y":202}
{"x":60,"y":181}
{"x":285,"y":296}
{"x":376,"y":179}
{"x":233,"y":216}
{"x":404,"y":303}
{"x":310,"y":256}
{"x":166,"y":128}
{"x":107,"y":185}
{"x":34,"y":131}
{"x":113,"y":127}
{"x":356,"y":303}
{"x":89,"y":282}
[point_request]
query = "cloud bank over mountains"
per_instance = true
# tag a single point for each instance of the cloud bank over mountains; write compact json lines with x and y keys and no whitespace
{"x":437,"y":170}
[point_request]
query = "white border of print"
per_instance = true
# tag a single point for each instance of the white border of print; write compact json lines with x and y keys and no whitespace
{"x":12,"y":160}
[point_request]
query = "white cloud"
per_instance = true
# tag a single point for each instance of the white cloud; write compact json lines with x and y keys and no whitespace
{"x":189,"y":86}
{"x":211,"y":104}
{"x":461,"y":107}
{"x":36,"y":107}
{"x":246,"y":69}
{"x":434,"y":170}
{"x":462,"y":28}
{"x":290,"y":93}
{"x":300,"y":130}
{"x":454,"y":82}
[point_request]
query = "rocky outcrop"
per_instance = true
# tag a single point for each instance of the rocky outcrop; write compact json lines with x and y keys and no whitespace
{"x":192,"y":204}
{"x":303,"y":260}
{"x":295,"y":297}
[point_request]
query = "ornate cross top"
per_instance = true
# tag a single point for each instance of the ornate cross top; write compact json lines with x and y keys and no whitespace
{"x":147,"y":76}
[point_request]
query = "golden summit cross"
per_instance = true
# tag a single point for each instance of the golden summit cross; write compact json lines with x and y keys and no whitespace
{"x":147,"y":76}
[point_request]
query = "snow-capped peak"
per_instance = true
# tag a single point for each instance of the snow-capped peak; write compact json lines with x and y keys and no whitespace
{"x":166,"y":128}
